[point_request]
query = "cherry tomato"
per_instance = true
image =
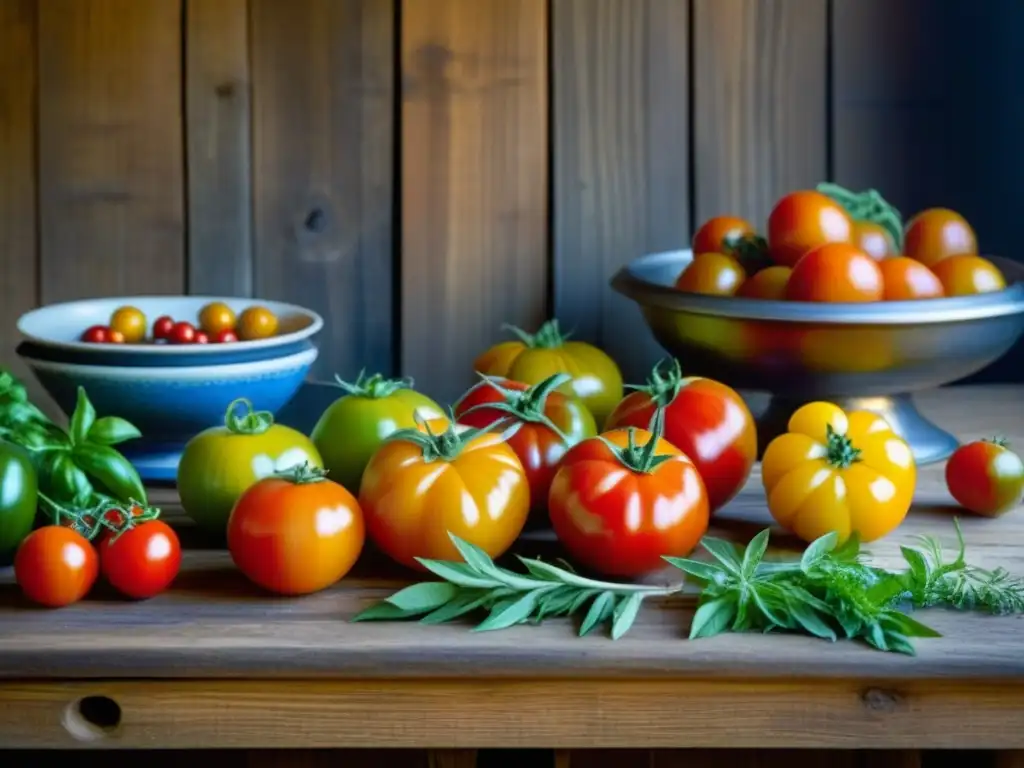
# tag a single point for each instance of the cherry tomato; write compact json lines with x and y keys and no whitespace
{"x":115,"y":337}
{"x":769,"y":283}
{"x":162,"y":327}
{"x":225,"y":337}
{"x":836,"y":272}
{"x":804,"y":220}
{"x":418,"y":488}
{"x":216,"y":317}
{"x":142,"y":560}
{"x":296,"y":534}
{"x":717,"y":274}
{"x":256,"y":323}
{"x":966,"y":275}
{"x":55,"y":566}
{"x":906,"y":278}
{"x":718,"y":234}
{"x":535,"y":409}
{"x":706,"y":420}
{"x":130,"y":323}
{"x":201,"y":338}
{"x":936,"y":233}
{"x":96,"y":334}
{"x":182,"y":333}
{"x":985,"y":477}
{"x":872,"y":238}
{"x":619,"y":508}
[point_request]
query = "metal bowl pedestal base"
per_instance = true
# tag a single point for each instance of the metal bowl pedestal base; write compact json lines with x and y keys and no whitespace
{"x":928,"y":442}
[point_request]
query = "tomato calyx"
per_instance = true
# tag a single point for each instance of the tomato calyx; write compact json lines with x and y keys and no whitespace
{"x":525,"y":405}
{"x":447,"y":445}
{"x":868,"y":205}
{"x":751,"y":251}
{"x":840,"y":451}
{"x":548,"y":336}
{"x":998,"y":440}
{"x":249,"y":421}
{"x":373,"y":387}
{"x":641,"y":458}
{"x":302,"y":474}
{"x":106,"y":517}
{"x":663,"y":384}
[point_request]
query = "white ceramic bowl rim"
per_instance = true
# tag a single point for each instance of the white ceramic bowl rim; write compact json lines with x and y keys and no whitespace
{"x":33,"y":325}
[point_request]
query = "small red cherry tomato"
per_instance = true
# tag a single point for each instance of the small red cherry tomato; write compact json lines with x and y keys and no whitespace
{"x":225,"y":336}
{"x":706,"y":420}
{"x":619,"y":502}
{"x":55,"y":566}
{"x":162,"y":327}
{"x":142,"y":560}
{"x":985,"y":477}
{"x":96,"y":334}
{"x":182,"y":333}
{"x":720,"y":234}
{"x":115,"y":336}
{"x":201,"y":338}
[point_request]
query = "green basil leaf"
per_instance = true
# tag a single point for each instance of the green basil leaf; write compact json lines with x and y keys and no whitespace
{"x":112,"y":470}
{"x":849,"y":550}
{"x":754,"y":552}
{"x":554,"y":603}
{"x":900,"y":644}
{"x":458,"y":573}
{"x":625,"y":614}
{"x":424,"y":597}
{"x":600,"y":610}
{"x":811,"y":622}
{"x":66,"y":480}
{"x":908,"y":626}
{"x":696,"y":568}
{"x":724,"y":552}
{"x":713,"y":617}
{"x":918,"y":565}
{"x":509,"y":614}
{"x":580,"y":600}
{"x":817,"y":549}
{"x":82,"y":419}
{"x":383,"y":611}
{"x":468,"y":600}
{"x":475,"y":557}
{"x":111,"y":430}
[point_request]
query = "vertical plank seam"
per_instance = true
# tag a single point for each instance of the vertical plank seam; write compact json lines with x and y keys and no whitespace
{"x":691,"y":128}
{"x":186,"y":217}
{"x":830,"y":121}
{"x":254,"y":275}
{"x":396,"y":188}
{"x":37,"y":299}
{"x":549,"y":68}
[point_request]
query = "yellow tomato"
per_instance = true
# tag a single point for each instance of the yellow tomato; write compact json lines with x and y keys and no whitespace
{"x":256,"y":323}
{"x":595,"y":378}
{"x":216,"y":317}
{"x":130,"y":323}
{"x":838,"y":471}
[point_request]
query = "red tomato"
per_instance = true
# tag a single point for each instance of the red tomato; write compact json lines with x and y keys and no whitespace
{"x":418,"y":488}
{"x":55,"y":566}
{"x":549,"y":423}
{"x":769,"y":283}
{"x":985,"y":477}
{"x":706,"y":420}
{"x":836,"y":272}
{"x":719,"y":234}
{"x":201,"y":338}
{"x":717,"y":274}
{"x":162,"y":327}
{"x":906,"y":278}
{"x":296,"y":533}
{"x":182,"y":333}
{"x":804,"y":220}
{"x":872,"y":238}
{"x":619,"y":508}
{"x":225,"y":336}
{"x":936,"y":233}
{"x":99,"y":334}
{"x":967,"y":275}
{"x":142,"y":560}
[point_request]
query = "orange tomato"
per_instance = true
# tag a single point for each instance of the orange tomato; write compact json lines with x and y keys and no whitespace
{"x":985,"y":477}
{"x":769,"y":283}
{"x":55,"y":566}
{"x":130,"y":323}
{"x":717,"y":233}
{"x":216,"y":317}
{"x":256,"y":323}
{"x":906,"y":278}
{"x":418,"y":488}
{"x":872,"y":238}
{"x":804,"y":220}
{"x":296,"y":533}
{"x":835,"y":272}
{"x":717,"y":274}
{"x":966,"y":275}
{"x":936,"y":233}
{"x":838,"y":471}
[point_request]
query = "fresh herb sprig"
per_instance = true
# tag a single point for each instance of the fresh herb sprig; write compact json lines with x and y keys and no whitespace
{"x":830,"y":592}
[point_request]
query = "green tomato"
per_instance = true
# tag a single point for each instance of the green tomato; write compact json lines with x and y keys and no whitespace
{"x":19,"y":494}
{"x":220,"y":463}
{"x":352,"y":428}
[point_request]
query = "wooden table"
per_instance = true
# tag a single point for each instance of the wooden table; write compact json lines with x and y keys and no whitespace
{"x":215,"y":663}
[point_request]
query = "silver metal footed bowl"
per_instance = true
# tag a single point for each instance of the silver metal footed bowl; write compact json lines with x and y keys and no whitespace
{"x":859,"y":356}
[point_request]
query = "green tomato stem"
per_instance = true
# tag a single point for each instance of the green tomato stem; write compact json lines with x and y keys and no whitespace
{"x":868,"y":206}
{"x":641,"y":458}
{"x":663,"y":384}
{"x":840,"y":451}
{"x":91,"y":521}
{"x":250,"y":421}
{"x":302,"y":474}
{"x":373,"y":387}
{"x":525,"y":405}
{"x":447,"y":445}
{"x":548,"y":336}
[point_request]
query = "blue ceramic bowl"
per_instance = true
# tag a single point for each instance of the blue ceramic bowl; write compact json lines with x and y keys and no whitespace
{"x":170,"y":404}
{"x":52,"y":333}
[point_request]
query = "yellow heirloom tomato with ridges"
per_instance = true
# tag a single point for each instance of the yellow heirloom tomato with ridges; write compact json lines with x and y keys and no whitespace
{"x":838,"y":471}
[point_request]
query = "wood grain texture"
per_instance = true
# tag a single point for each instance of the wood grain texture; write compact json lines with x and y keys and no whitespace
{"x":474,"y":182}
{"x":759,"y":103}
{"x":322,"y":175}
{"x":110,"y":148}
{"x":621,"y":160}
{"x":217,"y":132}
{"x":19,"y":286}
{"x":213,"y":624}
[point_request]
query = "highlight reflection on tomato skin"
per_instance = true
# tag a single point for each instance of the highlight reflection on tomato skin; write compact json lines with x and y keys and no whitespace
{"x":621,"y":522}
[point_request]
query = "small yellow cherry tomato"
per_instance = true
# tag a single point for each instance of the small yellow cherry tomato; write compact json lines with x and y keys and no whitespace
{"x":256,"y":323}
{"x":130,"y":323}
{"x":216,"y":317}
{"x":837,"y":471}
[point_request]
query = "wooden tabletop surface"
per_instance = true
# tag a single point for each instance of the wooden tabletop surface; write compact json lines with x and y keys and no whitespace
{"x":213,"y":624}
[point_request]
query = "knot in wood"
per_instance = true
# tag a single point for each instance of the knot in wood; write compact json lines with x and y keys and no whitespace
{"x":881,"y":700}
{"x":316,"y":221}
{"x":224,"y":90}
